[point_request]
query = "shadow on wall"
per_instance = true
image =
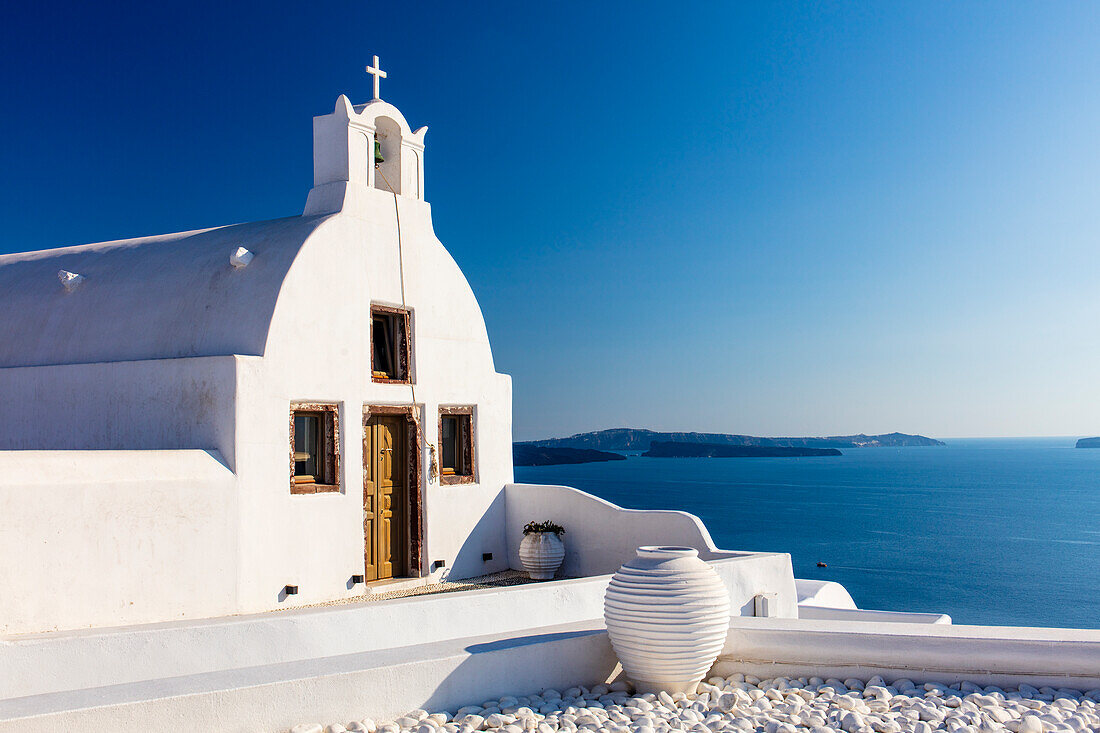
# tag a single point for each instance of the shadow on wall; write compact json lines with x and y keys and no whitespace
{"x":518,"y":641}
{"x":522,"y":665}
{"x":487,"y":536}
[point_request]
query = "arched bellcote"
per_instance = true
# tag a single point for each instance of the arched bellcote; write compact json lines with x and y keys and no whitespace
{"x":358,"y":150}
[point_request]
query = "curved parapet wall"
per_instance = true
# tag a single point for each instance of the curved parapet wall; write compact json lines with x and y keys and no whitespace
{"x":599,"y":536}
{"x":823,"y":594}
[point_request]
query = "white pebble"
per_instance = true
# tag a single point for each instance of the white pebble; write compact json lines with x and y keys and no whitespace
{"x":1030,"y":724}
{"x":778,"y":705}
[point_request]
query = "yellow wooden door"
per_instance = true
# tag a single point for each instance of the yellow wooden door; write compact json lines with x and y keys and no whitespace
{"x":385,"y":519}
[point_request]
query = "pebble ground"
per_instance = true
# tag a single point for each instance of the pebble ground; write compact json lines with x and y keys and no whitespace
{"x":780,"y":705}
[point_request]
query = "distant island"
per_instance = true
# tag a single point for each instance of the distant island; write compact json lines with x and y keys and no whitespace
{"x":1088,"y":443}
{"x":635,"y":439}
{"x":669,"y":449}
{"x":533,"y":455}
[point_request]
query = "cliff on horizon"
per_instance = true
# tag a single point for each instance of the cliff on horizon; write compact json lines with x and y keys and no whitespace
{"x":533,"y":455}
{"x":1088,"y":443}
{"x":661,"y":449}
{"x":635,"y":439}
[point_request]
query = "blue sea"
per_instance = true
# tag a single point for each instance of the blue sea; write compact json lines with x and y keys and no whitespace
{"x":990,"y":531}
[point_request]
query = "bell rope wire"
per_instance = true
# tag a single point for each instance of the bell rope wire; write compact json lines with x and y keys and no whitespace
{"x":401,"y":272}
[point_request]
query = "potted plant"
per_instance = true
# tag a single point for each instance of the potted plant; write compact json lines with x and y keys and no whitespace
{"x":541,"y":551}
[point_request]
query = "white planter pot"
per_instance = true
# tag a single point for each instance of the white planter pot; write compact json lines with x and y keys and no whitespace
{"x":541,"y":554}
{"x":667,"y":613}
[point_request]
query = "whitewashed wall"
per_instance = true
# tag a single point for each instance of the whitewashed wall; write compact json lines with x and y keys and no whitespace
{"x":600,"y":537}
{"x":94,"y":538}
{"x":319,"y":350}
{"x":155,"y":404}
{"x":922,"y":652}
{"x":57,"y":662}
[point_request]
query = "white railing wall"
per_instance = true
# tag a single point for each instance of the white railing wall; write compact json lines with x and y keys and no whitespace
{"x":998,"y":655}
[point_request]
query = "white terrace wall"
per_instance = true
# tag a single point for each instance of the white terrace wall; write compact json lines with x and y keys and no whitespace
{"x":383,"y":684}
{"x":600,"y":537}
{"x":47,"y":663}
{"x":94,"y":538}
{"x":922,"y":652}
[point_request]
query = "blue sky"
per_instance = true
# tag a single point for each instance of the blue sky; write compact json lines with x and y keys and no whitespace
{"x":764,"y":218}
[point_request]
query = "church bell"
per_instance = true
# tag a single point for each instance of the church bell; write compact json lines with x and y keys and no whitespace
{"x":378,"y":152}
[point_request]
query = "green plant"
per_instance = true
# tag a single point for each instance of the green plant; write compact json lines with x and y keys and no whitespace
{"x":543,"y":527}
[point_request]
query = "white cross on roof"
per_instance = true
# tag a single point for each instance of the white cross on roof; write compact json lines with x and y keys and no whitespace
{"x":375,"y":71}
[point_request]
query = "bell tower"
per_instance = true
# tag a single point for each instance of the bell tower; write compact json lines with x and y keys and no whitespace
{"x":364,"y":150}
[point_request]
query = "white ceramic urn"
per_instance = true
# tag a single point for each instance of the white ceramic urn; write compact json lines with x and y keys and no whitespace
{"x":541,"y":554}
{"x":667,"y":613}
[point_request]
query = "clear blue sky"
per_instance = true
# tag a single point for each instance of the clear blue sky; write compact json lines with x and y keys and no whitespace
{"x":763,"y":218}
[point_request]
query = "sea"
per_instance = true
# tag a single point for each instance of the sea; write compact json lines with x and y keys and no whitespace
{"x":990,"y":531}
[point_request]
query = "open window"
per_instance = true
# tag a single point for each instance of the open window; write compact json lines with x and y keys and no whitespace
{"x":314,"y":448}
{"x":391,"y":351}
{"x":456,"y":445}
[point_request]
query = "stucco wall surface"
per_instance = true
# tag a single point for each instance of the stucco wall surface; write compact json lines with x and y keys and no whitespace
{"x":114,"y":537}
{"x":380,"y":684}
{"x":999,"y":655}
{"x":159,"y":404}
{"x":44,"y":663}
{"x":599,"y":536}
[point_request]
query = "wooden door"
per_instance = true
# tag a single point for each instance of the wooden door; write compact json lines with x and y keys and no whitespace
{"x":385,"y":496}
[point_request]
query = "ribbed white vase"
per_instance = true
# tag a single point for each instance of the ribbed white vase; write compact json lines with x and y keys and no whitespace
{"x":541,"y":554}
{"x":667,"y":613}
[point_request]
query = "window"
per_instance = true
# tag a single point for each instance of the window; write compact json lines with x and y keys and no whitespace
{"x":314,"y":448}
{"x":390,"y":349}
{"x":456,"y":445}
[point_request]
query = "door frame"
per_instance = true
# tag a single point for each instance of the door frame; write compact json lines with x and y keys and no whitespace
{"x":415,"y":529}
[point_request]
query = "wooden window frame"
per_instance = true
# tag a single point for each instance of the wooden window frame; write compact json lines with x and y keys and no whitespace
{"x":403,"y":355}
{"x":330,"y":426}
{"x":468,"y":447}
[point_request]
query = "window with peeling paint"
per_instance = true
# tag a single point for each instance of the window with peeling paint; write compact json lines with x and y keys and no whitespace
{"x":391,"y":351}
{"x":456,"y":445}
{"x":314,"y":448}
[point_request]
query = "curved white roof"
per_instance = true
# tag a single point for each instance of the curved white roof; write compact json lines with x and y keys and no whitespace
{"x":169,"y":296}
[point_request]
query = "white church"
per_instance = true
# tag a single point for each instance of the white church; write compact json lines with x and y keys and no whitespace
{"x":208,"y":419}
{"x":217,"y":446}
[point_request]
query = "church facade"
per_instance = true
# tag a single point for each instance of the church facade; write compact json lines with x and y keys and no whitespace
{"x":254,"y":416}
